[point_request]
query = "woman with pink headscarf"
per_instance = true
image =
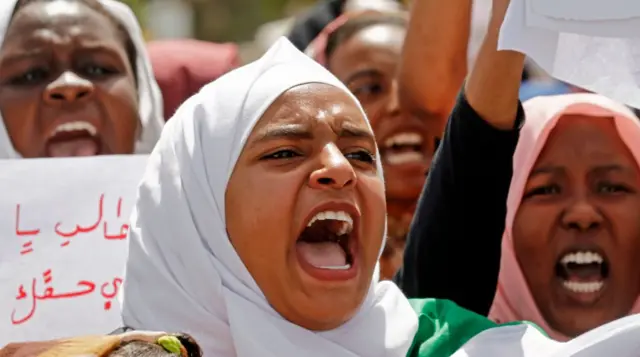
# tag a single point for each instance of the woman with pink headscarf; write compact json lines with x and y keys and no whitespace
{"x":572,"y":237}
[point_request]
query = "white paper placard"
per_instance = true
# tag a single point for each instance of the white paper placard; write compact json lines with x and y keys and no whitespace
{"x":586,"y":10}
{"x":63,"y":226}
{"x":598,"y":61}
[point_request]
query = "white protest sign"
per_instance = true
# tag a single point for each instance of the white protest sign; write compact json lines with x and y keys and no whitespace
{"x":63,"y":228}
{"x":602,"y":56}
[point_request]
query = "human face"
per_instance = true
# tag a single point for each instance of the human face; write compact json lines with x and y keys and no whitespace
{"x":367,"y":63}
{"x":66,"y":84}
{"x":306,"y":178}
{"x":577,"y":231}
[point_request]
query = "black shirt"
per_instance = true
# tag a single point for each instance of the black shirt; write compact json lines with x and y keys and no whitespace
{"x":454,"y":243}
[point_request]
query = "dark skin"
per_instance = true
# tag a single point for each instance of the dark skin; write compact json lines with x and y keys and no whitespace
{"x":64,"y":62}
{"x":583,"y":193}
{"x":327,"y":155}
{"x":368,"y":64}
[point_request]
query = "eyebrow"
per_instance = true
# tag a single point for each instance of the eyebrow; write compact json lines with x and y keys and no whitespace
{"x":88,"y":47}
{"x":298,"y":131}
{"x":287,"y":131}
{"x":18,"y":56}
{"x":598,"y":169}
{"x":608,"y":168}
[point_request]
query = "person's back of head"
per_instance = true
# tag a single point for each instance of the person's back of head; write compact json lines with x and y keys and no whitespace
{"x":189,"y":348}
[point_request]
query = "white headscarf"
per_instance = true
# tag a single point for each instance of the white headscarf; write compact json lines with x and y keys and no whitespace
{"x":149,"y":96}
{"x":182,"y":272}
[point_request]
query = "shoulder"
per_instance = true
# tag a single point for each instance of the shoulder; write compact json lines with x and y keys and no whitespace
{"x":443,"y":327}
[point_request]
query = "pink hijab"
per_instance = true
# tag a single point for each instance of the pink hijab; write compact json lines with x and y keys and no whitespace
{"x":513,"y":299}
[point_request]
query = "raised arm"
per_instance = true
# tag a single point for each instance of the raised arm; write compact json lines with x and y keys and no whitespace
{"x":453,"y":249}
{"x":434,"y":59}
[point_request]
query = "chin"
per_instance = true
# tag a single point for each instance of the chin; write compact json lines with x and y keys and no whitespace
{"x":324,"y":318}
{"x":325,"y":309}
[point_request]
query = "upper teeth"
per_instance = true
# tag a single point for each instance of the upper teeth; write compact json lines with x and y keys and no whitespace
{"x":337,"y":216}
{"x":404,"y":139}
{"x":76,"y":126}
{"x":582,"y":258}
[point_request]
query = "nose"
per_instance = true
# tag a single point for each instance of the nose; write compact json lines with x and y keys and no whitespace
{"x":68,"y":88}
{"x":393,"y":103}
{"x":582,"y":216}
{"x":335,"y":172}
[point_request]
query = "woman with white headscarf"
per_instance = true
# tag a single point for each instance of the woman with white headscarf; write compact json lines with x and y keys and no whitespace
{"x":259,"y":222}
{"x":75,"y":80}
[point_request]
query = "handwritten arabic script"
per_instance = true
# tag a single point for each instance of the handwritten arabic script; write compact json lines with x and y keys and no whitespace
{"x":108,"y":290}
{"x":63,"y":228}
{"x":67,"y":234}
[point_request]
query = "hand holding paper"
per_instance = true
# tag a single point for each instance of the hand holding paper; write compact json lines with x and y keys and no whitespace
{"x":591,"y":44}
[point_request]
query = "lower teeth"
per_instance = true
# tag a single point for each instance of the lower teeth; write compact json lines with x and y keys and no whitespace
{"x":404,"y":157}
{"x":579,"y":287}
{"x":342,"y":267}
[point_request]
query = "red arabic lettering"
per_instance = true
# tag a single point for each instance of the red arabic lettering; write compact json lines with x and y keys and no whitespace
{"x":23,"y":295}
{"x":124,"y":229}
{"x":116,"y":283}
{"x":26,"y":248}
{"x":119,"y":209}
{"x":79,"y":228}
{"x":23,"y":232}
{"x":86,"y":287}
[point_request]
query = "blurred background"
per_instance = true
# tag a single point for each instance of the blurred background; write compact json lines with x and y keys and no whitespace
{"x":251,"y":23}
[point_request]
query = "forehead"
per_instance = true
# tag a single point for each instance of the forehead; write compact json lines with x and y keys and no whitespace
{"x":310,"y":104}
{"x":381,"y":37}
{"x":580,"y":139}
{"x":59,"y":21}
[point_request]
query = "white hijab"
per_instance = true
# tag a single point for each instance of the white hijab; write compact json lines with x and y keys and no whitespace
{"x":149,"y":96}
{"x":182,"y":272}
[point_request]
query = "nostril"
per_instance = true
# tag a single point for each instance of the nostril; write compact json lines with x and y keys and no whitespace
{"x":325,"y":181}
{"x":57,"y":96}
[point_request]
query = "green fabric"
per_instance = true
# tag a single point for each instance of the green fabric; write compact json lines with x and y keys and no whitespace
{"x":443,"y":327}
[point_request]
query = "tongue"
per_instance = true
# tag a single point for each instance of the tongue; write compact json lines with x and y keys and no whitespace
{"x":73,"y":147}
{"x":322,"y":254}
{"x":583,"y":272}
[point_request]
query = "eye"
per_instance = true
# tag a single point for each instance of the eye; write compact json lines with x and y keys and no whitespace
{"x":368,"y":90}
{"x":32,"y":76}
{"x":547,"y":190}
{"x":608,"y":188}
{"x":94,"y":70}
{"x":361,"y":155}
{"x":281,"y":154}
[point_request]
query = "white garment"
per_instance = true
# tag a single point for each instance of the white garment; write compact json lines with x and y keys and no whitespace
{"x":182,"y":272}
{"x":591,"y":44}
{"x":149,"y":95}
{"x":619,"y":338}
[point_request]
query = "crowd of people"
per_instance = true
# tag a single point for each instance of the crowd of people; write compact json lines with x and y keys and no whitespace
{"x":362,"y":189}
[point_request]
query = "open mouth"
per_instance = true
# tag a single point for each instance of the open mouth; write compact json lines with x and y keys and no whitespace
{"x":583,"y":272}
{"x":403,"y":148}
{"x":327,"y":244}
{"x":77,"y":138}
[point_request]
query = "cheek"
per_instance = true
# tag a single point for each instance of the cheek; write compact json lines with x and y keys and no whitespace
{"x":531,"y":229}
{"x":374,"y":108}
{"x":19,"y":114}
{"x":258,"y":220}
{"x":373,"y":215}
{"x":625,"y":219}
{"x":120,"y":101}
